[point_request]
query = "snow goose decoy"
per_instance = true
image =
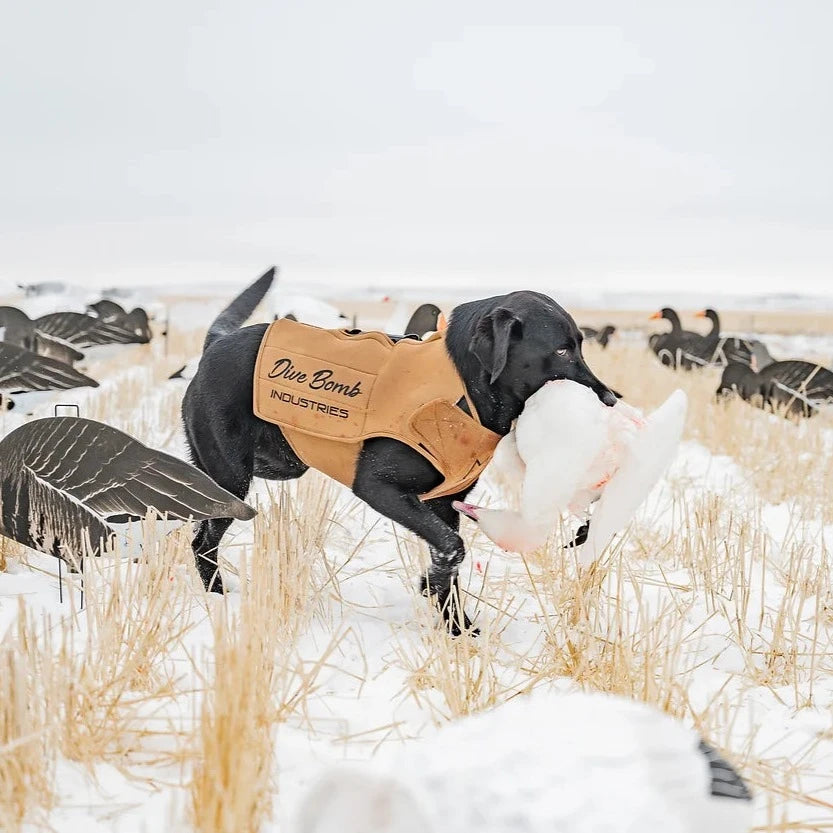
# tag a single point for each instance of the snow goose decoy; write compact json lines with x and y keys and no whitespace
{"x":310,"y":310}
{"x":602,"y":336}
{"x":18,"y":329}
{"x":540,"y":763}
{"x":241,"y":308}
{"x":427,"y":318}
{"x":570,"y":451}
{"x":63,"y":478}
{"x":22,"y":370}
{"x":801,"y":388}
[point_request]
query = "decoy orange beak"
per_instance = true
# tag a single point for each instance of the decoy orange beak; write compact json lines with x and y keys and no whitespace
{"x":657,"y":314}
{"x":442,"y":323}
{"x":701,"y":314}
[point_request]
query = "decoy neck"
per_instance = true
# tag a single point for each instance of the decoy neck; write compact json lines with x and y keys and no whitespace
{"x":669,"y":315}
{"x":714,"y":318}
{"x":18,"y":328}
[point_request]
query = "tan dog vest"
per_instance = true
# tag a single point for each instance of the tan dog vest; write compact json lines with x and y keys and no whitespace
{"x":330,"y":390}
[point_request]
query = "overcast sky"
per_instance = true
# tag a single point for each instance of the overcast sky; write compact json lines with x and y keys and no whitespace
{"x":617,"y":144}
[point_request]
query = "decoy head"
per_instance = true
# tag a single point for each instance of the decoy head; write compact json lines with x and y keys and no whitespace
{"x":737,"y":378}
{"x":138,"y":324}
{"x":710,"y":314}
{"x":669,"y":315}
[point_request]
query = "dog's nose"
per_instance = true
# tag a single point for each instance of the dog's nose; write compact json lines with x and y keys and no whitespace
{"x":608,"y":397}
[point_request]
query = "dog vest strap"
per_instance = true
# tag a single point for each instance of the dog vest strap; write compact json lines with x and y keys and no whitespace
{"x":330,"y":390}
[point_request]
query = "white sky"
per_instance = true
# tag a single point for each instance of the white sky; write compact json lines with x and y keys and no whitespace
{"x":565,"y":144}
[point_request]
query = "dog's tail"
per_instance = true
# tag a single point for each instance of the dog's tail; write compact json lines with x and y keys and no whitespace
{"x":233,"y":316}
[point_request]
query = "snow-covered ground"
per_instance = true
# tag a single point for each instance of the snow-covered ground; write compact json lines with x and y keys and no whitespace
{"x":716,"y":607}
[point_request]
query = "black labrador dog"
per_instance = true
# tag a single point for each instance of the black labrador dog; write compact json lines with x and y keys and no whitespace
{"x":505,"y":348}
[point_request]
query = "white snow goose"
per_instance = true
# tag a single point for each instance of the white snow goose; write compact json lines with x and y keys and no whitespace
{"x":570,"y":451}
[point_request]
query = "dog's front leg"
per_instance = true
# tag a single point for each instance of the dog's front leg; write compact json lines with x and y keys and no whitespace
{"x":437,"y":525}
{"x":442,"y":579}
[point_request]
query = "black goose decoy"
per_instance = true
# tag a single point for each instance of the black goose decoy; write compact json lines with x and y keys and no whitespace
{"x":22,"y":370}
{"x":801,"y":388}
{"x":427,"y":318}
{"x":678,"y":347}
{"x":20,"y":330}
{"x":725,"y":349}
{"x":42,"y":288}
{"x":711,"y":341}
{"x":107,"y":310}
{"x":82,"y":330}
{"x":62,"y":479}
{"x":116,"y":292}
{"x":136,"y":321}
{"x":599,"y":336}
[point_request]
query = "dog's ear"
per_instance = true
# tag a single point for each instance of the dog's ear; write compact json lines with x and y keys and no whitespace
{"x":491,"y":340}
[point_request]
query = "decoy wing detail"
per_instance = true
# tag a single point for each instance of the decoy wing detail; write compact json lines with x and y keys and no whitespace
{"x":83,"y":330}
{"x":60,"y":474}
{"x":107,"y":310}
{"x":810,"y":380}
{"x":23,"y":370}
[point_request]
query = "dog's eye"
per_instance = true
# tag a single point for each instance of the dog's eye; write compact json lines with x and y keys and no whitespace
{"x":562,"y":351}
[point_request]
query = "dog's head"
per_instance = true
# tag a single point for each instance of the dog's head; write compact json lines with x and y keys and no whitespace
{"x":520,"y":341}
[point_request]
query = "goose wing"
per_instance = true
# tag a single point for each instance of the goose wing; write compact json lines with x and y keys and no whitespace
{"x":22,"y":370}
{"x":62,"y":475}
{"x":46,"y":519}
{"x":82,"y":330}
{"x":734,"y":349}
{"x":809,"y":380}
{"x":650,"y":454}
{"x":67,"y":326}
{"x":54,"y":348}
{"x":686,"y":349}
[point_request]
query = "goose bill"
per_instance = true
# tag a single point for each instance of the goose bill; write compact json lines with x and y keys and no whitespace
{"x":467,"y":509}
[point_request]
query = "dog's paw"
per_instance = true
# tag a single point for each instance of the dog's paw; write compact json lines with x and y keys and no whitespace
{"x":468,"y":628}
{"x":580,"y":537}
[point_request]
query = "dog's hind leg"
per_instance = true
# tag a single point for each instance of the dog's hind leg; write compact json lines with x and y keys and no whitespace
{"x":205,"y":545}
{"x":233,"y":471}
